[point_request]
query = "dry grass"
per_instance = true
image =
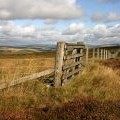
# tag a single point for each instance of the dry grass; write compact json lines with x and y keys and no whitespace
{"x":15,"y":66}
{"x":96,"y":81}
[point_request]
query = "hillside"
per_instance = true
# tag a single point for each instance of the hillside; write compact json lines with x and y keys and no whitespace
{"x":26,"y":49}
{"x":94,"y":95}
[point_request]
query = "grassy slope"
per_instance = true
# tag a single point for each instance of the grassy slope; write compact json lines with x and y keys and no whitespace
{"x":97,"y":82}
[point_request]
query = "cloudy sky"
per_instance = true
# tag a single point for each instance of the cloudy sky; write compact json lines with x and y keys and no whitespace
{"x":49,"y":21}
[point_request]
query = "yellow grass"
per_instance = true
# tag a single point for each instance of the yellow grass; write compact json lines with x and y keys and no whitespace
{"x":95,"y":81}
{"x":16,"y":66}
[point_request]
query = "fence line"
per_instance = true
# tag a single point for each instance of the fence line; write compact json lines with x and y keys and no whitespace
{"x":69,"y":62}
{"x":26,"y":78}
{"x":101,"y":53}
{"x":77,"y":55}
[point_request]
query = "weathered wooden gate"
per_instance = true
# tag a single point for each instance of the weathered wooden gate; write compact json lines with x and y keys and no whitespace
{"x":68,"y":61}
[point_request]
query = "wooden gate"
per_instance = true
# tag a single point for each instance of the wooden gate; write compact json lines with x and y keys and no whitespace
{"x":68,"y":61}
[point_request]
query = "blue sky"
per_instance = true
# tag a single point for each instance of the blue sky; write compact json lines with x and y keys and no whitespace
{"x":49,"y":21}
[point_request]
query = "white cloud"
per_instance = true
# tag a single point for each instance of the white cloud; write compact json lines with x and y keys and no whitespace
{"x":39,"y":9}
{"x":100,"y":33}
{"x":104,"y":34}
{"x":100,"y":30}
{"x":109,"y":17}
{"x":75,"y":28}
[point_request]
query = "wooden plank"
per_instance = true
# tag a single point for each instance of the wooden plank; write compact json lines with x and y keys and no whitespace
{"x":59,"y":63}
{"x":74,"y":44}
{"x":66,"y":70}
{"x":73,"y":65}
{"x":27,"y":78}
{"x":73,"y":56}
{"x":70,"y":48}
{"x":81,"y":51}
{"x":65,"y":76}
{"x":80,"y":43}
{"x":73,"y":53}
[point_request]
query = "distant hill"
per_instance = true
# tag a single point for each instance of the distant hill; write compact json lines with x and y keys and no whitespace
{"x":26,"y":49}
{"x":94,"y":46}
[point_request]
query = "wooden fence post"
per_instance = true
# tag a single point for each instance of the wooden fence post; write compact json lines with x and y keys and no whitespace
{"x":109,"y":54}
{"x":87,"y":54}
{"x":98,"y":51}
{"x":101,"y":53}
{"x":59,"y":63}
{"x":93,"y":55}
{"x":104,"y":53}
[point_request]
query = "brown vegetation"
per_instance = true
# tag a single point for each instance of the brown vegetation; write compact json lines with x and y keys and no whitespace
{"x":93,"y":95}
{"x":15,"y":66}
{"x":78,"y":109}
{"x":47,"y":54}
{"x":112,"y":63}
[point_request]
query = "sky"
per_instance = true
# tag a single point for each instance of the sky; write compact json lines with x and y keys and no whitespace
{"x":24,"y":22}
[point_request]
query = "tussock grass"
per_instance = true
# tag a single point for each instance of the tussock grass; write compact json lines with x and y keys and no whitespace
{"x":96,"y":85}
{"x":96,"y":81}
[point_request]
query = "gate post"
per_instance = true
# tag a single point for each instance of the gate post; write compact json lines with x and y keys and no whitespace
{"x":59,"y":64}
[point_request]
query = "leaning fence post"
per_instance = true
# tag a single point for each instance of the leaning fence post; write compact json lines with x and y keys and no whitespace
{"x":59,"y":63}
